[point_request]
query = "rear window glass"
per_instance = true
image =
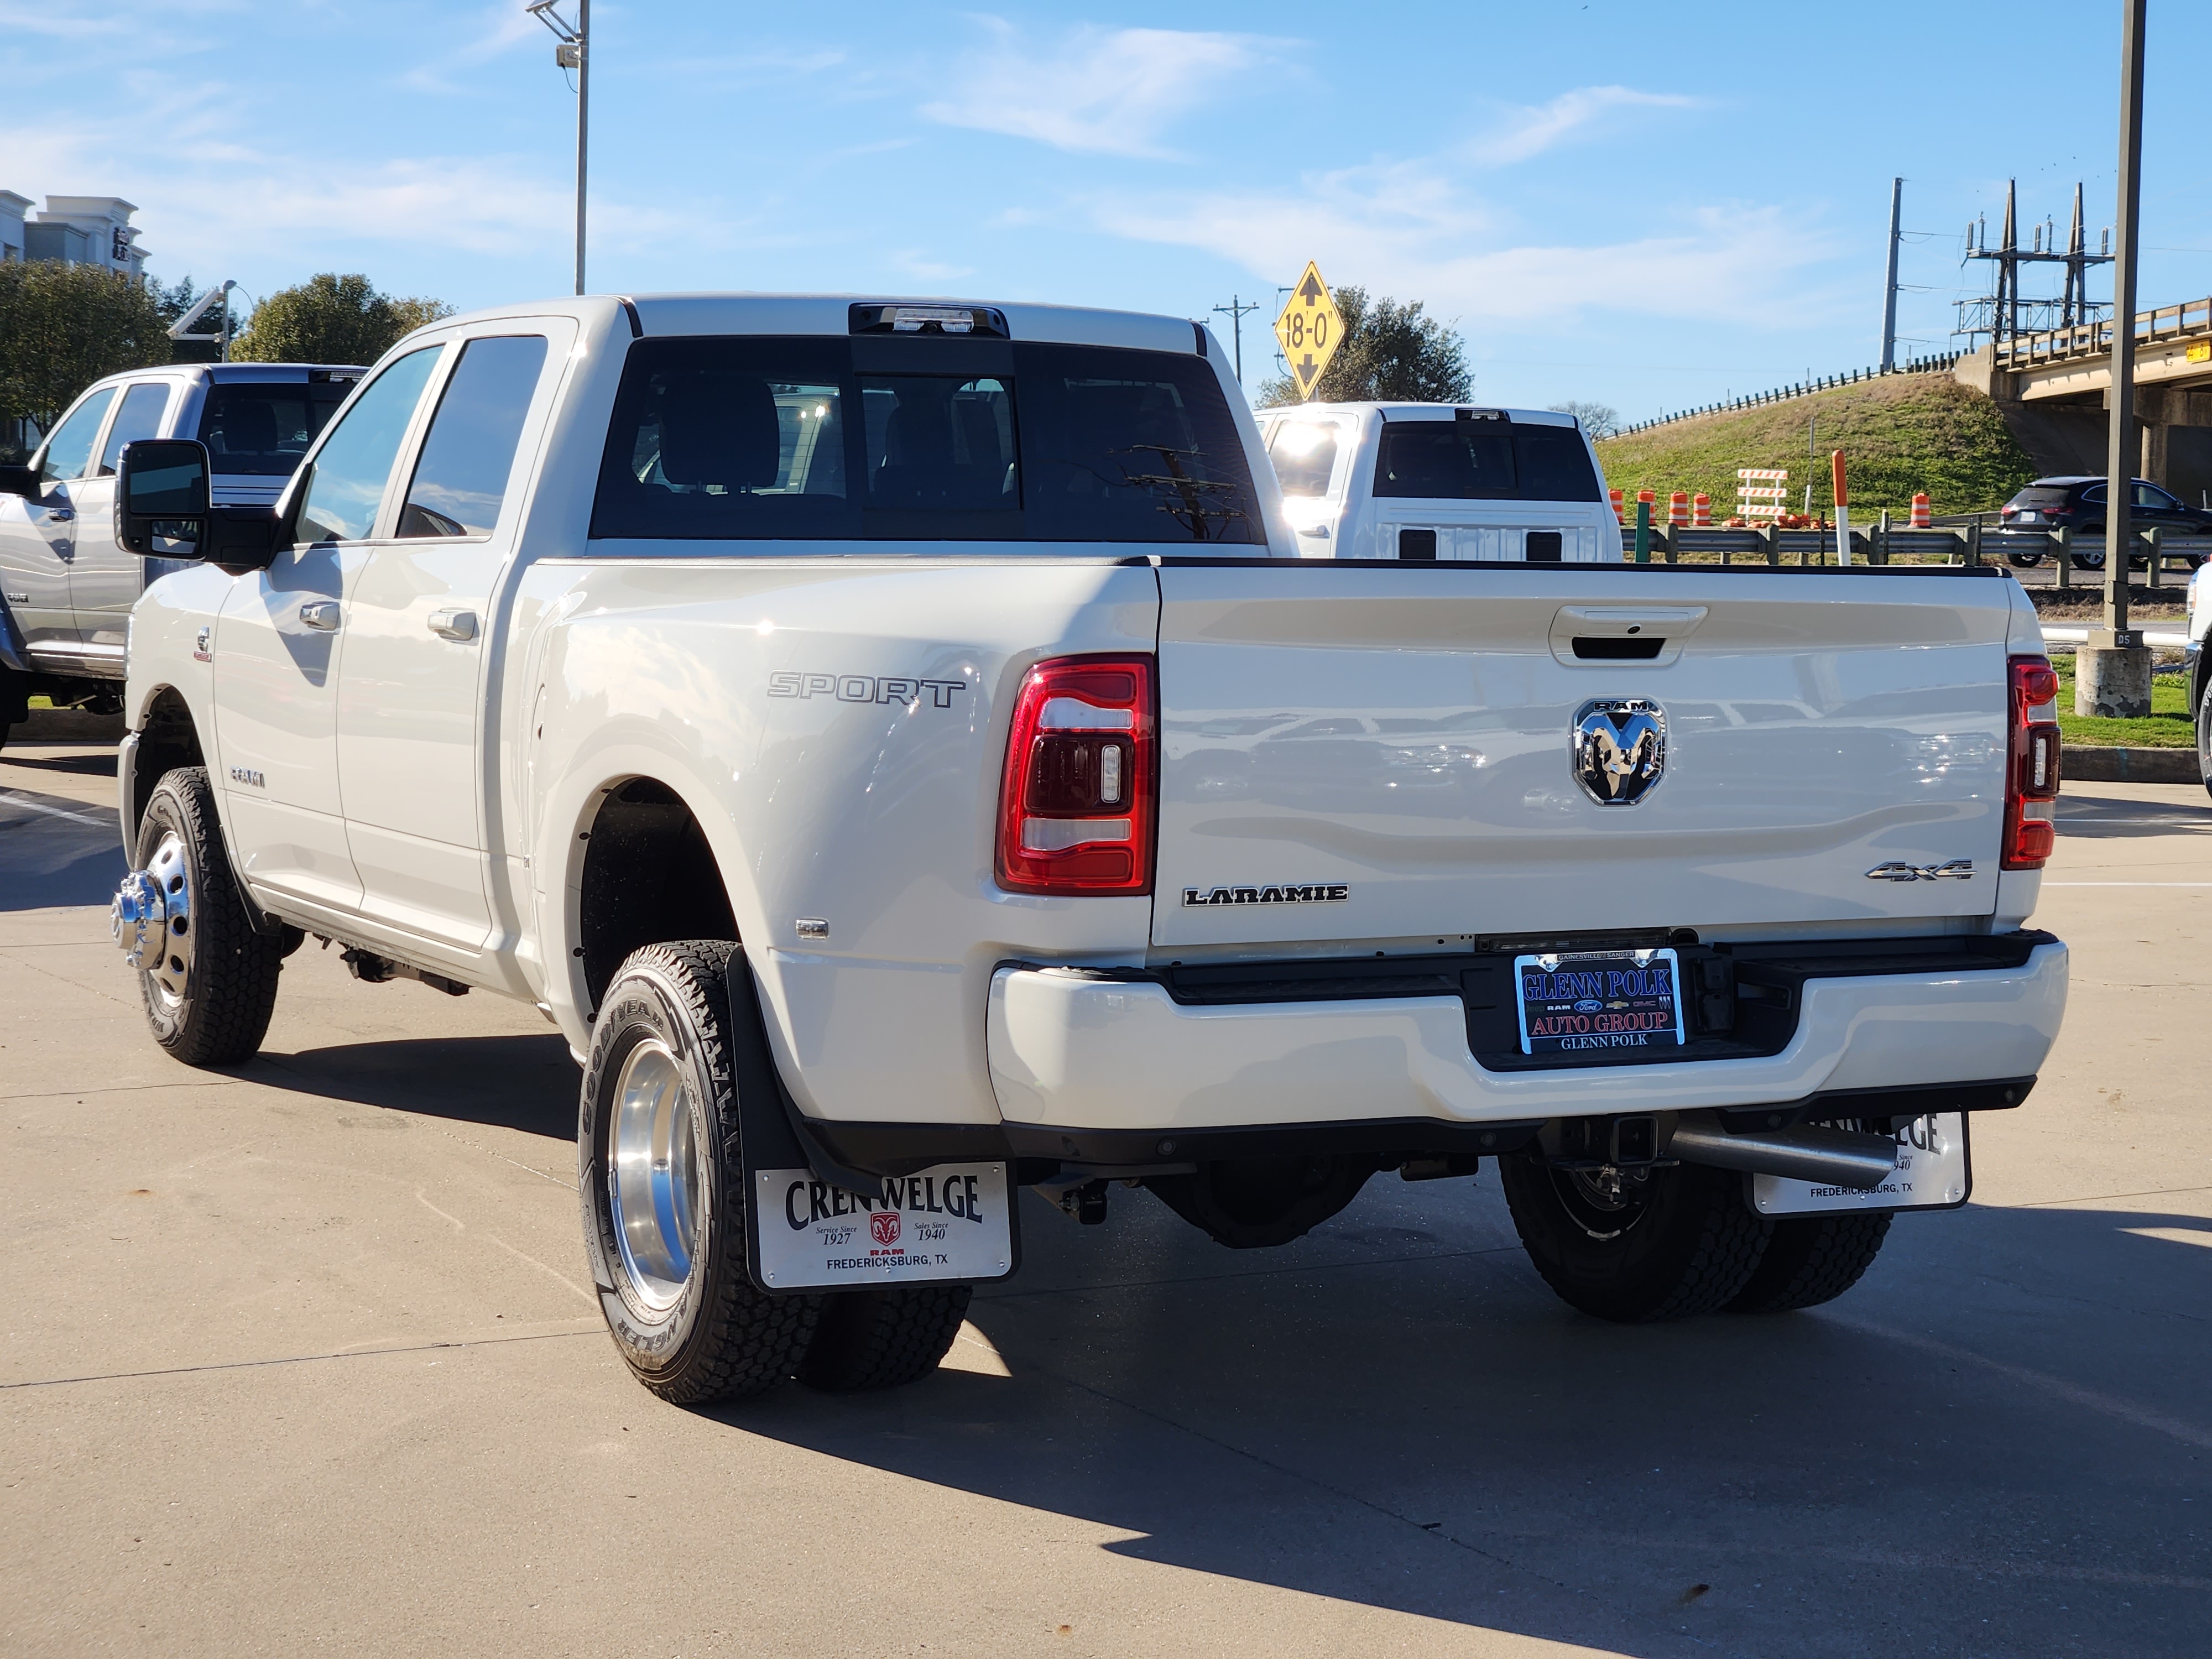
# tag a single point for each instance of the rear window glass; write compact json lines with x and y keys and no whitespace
{"x":265,"y":428}
{"x":1483,"y":460}
{"x":1305,"y":454}
{"x":768,"y":438}
{"x":2055,"y":496}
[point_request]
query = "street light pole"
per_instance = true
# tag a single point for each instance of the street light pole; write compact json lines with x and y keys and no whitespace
{"x":574,"y":52}
{"x":583,"y":123}
{"x":2112,"y":674}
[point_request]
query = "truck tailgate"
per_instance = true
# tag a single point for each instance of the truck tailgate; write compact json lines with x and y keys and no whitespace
{"x":1356,"y":751}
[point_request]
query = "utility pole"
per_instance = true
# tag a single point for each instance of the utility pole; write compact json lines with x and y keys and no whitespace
{"x":574,"y":50}
{"x":1238,"y":309}
{"x":1889,"y":289}
{"x":2112,"y":674}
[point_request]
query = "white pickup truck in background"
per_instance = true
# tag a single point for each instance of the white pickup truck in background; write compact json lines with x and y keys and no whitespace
{"x":1435,"y":481}
{"x":66,"y":589}
{"x":899,"y":746}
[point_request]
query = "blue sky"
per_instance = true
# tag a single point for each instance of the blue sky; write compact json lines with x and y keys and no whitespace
{"x":1647,"y":204}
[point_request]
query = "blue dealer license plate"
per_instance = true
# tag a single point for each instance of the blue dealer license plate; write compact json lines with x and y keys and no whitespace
{"x":1598,"y":1003}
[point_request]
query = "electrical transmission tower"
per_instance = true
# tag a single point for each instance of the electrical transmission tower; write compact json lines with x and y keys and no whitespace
{"x":2004,"y":312}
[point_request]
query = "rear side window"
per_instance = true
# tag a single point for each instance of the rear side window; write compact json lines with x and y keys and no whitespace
{"x":139,"y":418}
{"x":792,"y":438}
{"x":263,"y":430}
{"x":1483,"y":460}
{"x":460,"y":479}
{"x":1305,"y":454}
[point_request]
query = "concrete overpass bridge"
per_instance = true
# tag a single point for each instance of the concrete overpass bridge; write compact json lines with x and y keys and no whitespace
{"x":2055,"y":387}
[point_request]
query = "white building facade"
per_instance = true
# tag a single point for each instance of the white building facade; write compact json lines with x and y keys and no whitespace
{"x":75,"y":230}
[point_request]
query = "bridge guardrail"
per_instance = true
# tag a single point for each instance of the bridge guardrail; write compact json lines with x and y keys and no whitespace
{"x":1968,"y":543}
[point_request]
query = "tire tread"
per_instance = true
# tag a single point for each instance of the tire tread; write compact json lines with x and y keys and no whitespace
{"x":747,"y":1341}
{"x":232,"y":991}
{"x":884,"y":1337}
{"x":1813,"y":1259}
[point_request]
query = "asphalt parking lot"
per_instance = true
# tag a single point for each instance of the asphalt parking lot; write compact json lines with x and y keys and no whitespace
{"x":300,"y":1357}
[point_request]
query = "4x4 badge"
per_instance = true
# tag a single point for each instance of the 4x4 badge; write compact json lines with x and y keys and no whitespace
{"x":1956,"y":869}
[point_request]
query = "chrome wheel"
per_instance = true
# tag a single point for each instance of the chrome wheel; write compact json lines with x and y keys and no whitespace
{"x":153,"y":920}
{"x":652,"y":1175}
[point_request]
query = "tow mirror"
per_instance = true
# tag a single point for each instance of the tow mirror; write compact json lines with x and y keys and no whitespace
{"x":161,"y":482}
{"x":19,"y":481}
{"x":161,"y":491}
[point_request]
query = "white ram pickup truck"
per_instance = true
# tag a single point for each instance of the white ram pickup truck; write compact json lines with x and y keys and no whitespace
{"x":899,"y":747}
{"x":1440,"y":481}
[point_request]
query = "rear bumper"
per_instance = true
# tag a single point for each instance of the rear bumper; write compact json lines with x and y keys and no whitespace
{"x":1071,"y":1051}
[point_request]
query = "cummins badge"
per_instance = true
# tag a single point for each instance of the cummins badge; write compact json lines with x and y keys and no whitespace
{"x":1619,"y":748}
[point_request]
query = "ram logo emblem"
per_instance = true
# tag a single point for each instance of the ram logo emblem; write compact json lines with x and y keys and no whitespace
{"x":1619,"y":746}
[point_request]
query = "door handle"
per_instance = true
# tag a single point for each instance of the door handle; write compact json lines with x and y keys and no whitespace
{"x":319,"y":613}
{"x":453,"y":624}
{"x":58,"y":514}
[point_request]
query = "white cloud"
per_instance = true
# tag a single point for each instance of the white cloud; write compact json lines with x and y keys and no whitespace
{"x":1529,"y":131}
{"x":1112,"y":92}
{"x":218,"y":206}
{"x":499,"y":30}
{"x":1406,"y":229}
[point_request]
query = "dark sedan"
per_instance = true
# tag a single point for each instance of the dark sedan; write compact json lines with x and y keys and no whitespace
{"x":2079,"y":503}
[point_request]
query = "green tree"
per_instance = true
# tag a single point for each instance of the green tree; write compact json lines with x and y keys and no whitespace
{"x":64,"y":326}
{"x":1392,"y":353}
{"x":329,"y":319}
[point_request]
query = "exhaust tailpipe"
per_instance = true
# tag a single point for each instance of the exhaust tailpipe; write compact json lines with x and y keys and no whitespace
{"x":1832,"y":1157}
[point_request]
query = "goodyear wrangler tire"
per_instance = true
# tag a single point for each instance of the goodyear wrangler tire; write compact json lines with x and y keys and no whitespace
{"x":1679,"y":1242}
{"x":1812,"y":1258}
{"x":884,"y":1336}
{"x":662,"y":1178}
{"x":208,"y":980}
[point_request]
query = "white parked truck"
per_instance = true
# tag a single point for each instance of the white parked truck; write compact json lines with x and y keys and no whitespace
{"x":66,"y":588}
{"x":1440,"y":481}
{"x":897,"y":746}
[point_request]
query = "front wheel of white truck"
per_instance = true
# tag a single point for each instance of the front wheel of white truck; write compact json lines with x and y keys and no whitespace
{"x":1636,"y":1246}
{"x":207,"y":977}
{"x":662,"y":1179}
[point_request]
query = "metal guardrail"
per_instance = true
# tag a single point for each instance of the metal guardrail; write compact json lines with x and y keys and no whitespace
{"x":1941,"y":363}
{"x":1965,"y":545}
{"x":2188,"y":320}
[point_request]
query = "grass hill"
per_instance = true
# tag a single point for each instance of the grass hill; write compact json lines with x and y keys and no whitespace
{"x":1907,"y":432}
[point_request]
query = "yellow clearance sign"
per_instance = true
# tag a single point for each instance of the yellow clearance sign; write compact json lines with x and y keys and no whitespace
{"x":1309,"y":331}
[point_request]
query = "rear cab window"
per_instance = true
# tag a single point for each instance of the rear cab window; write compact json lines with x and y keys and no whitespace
{"x":261,"y":428}
{"x":1482,"y":460}
{"x":813,"y":438}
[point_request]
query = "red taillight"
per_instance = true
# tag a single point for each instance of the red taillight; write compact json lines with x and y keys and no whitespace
{"x":2032,"y":765}
{"x":1078,"y":799}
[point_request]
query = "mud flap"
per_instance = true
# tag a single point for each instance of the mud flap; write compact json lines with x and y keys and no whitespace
{"x":774,"y":1138}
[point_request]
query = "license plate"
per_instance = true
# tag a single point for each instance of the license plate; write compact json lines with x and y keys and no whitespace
{"x":1600,"y":1002}
{"x":952,"y":1222}
{"x":1935,"y":1171}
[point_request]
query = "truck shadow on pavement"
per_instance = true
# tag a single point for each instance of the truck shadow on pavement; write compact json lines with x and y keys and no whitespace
{"x":526,"y":1083}
{"x":1999,"y":1442}
{"x":56,"y":851}
{"x":2084,"y":815}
